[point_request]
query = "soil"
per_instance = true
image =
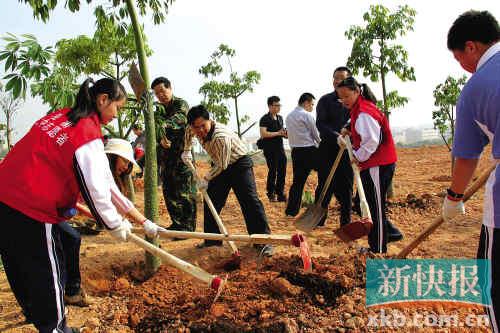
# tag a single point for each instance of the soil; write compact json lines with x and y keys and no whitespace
{"x":273,"y":294}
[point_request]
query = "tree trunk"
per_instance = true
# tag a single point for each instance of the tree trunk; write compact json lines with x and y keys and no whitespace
{"x":237,"y":117}
{"x":150,"y":173}
{"x":8,"y":132}
{"x":390,"y":189}
{"x":130,"y":189}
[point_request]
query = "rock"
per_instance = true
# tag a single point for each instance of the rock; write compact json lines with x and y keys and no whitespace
{"x":217,"y":310}
{"x":134,"y":319}
{"x":121,"y":284}
{"x":290,"y":326}
{"x":283,"y":287}
{"x":320,"y":299}
{"x":349,"y":308}
{"x":92,"y":323}
{"x":350,"y":323}
{"x":359,"y":322}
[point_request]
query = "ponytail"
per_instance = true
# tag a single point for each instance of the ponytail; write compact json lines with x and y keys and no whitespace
{"x":364,"y":90}
{"x":367,"y":93}
{"x":85,"y":103}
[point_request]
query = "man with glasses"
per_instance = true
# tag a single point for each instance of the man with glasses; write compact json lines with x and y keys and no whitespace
{"x":303,"y":137}
{"x":271,"y":142}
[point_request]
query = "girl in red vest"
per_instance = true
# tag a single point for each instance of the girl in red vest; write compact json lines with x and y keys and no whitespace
{"x":374,"y":152}
{"x":42,"y":176}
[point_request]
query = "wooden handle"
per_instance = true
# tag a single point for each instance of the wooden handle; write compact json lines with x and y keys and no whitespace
{"x":330,"y":175}
{"x":173,"y":261}
{"x":84,"y":210}
{"x":212,"y":209}
{"x":253,"y":239}
{"x":439,"y":220}
{"x":365,"y":209}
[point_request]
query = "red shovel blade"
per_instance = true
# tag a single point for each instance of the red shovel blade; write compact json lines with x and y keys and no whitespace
{"x":355,"y":230}
{"x":300,"y":241}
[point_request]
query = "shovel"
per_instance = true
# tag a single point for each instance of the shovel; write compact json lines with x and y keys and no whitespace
{"x":296,"y":240}
{"x":213,"y":281}
{"x":361,"y":228}
{"x":235,"y":261}
{"x":313,"y":214}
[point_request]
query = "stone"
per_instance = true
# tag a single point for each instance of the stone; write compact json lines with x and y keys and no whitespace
{"x":217,"y":310}
{"x":283,"y":287}
{"x":92,"y":323}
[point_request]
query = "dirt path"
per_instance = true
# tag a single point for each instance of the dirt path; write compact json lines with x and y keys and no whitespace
{"x":172,"y":301}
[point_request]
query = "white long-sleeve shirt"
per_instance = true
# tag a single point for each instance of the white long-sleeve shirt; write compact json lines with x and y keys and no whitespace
{"x":369,"y":131}
{"x":97,"y":185}
{"x":301,"y":128}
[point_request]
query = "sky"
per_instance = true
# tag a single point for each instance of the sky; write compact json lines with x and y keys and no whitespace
{"x":295,"y":45}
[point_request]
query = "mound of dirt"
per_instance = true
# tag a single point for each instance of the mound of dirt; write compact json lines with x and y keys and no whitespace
{"x":278,"y":298}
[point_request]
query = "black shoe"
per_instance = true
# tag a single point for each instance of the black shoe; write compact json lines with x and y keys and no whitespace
{"x":265,"y":250}
{"x":208,"y":243}
{"x":281,"y":198}
{"x":271,"y":197}
{"x":393,"y":233}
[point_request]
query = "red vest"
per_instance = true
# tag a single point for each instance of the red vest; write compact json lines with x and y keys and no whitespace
{"x":386,"y":151}
{"x":37,"y":176}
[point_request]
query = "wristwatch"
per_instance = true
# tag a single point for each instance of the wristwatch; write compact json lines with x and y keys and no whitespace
{"x":454,"y":195}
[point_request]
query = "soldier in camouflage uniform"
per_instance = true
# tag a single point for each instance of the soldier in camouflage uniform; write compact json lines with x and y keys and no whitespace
{"x":179,"y":186}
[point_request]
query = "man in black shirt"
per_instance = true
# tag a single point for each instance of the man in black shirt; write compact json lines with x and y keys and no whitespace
{"x":271,"y":142}
{"x":331,"y":117}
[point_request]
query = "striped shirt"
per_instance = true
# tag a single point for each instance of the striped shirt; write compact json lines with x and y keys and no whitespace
{"x":222,"y":145}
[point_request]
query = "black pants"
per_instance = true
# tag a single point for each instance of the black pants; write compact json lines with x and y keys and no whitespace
{"x":276,"y":163}
{"x":303,"y":162}
{"x":70,"y":240}
{"x":32,"y":257}
{"x":341,"y":184}
{"x":239,"y":177}
{"x":376,"y":181}
{"x":489,"y":248}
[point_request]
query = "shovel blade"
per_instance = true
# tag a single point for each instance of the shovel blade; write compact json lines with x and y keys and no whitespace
{"x":354,"y":230}
{"x":310,"y":218}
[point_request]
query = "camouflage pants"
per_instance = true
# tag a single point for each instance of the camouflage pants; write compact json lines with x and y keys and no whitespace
{"x":179,"y":192}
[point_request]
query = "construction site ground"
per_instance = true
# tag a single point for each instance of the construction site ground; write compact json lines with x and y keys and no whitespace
{"x":276,"y":295}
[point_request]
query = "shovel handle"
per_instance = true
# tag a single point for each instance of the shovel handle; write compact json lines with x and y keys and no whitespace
{"x":330,"y":175}
{"x":212,"y":209}
{"x":365,"y":211}
{"x":171,"y":260}
{"x":439,"y":220}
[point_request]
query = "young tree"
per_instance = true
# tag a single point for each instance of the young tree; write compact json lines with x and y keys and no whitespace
{"x":445,"y":98}
{"x":375,"y":54}
{"x":158,"y":9}
{"x":10,"y":106}
{"x":215,"y":92}
{"x":24,"y":60}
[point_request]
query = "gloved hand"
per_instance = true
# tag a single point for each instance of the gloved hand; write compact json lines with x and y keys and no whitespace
{"x":202,"y":184}
{"x":122,"y":231}
{"x":186,"y":157}
{"x":452,"y":208}
{"x":341,"y":141}
{"x":151,"y":229}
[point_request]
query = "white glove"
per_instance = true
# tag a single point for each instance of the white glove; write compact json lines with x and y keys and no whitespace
{"x":341,"y":141}
{"x":202,"y":184}
{"x":122,"y":231}
{"x":186,"y":157}
{"x":452,"y":209}
{"x":151,"y":229}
